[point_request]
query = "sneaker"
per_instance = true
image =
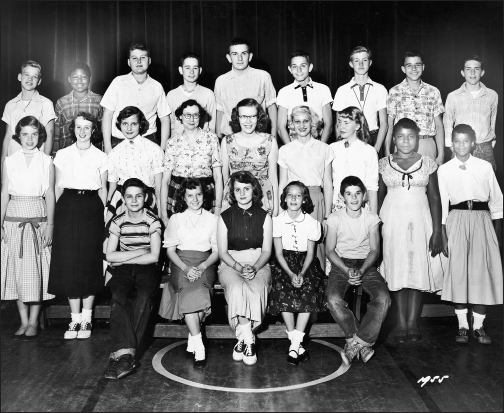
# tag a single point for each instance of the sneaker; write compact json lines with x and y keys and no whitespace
{"x":366,"y":352}
{"x":249,"y":354}
{"x":482,"y":337}
{"x":85,"y":330}
{"x":350,"y":352}
{"x":462,"y":335}
{"x":124,"y":365}
{"x":111,"y":370}
{"x":71,"y":333}
{"x":238,"y":350}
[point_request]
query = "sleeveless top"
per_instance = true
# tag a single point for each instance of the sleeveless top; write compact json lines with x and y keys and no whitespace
{"x":245,"y":227}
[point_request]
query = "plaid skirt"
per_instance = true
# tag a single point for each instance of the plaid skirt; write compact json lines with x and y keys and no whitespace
{"x":25,"y":278}
{"x":175,"y":183}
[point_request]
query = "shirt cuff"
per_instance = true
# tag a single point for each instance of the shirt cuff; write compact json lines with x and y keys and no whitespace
{"x":219,"y":107}
{"x":496,"y":215}
{"x":270,"y":102}
{"x":158,"y":170}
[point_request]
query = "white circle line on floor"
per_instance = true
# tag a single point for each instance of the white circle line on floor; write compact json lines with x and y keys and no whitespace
{"x":158,"y":366}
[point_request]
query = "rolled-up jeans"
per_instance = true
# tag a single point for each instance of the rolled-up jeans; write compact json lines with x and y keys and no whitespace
{"x":365,"y":332}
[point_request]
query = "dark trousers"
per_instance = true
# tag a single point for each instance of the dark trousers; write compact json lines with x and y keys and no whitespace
{"x":133,"y":287}
{"x":372,"y":283}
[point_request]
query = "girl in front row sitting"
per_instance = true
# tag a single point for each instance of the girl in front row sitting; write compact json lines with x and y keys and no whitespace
{"x":298,"y":281}
{"x":471,"y":202}
{"x":191,"y":239}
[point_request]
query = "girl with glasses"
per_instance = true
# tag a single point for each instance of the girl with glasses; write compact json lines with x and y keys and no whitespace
{"x":195,"y":153}
{"x":251,"y":149}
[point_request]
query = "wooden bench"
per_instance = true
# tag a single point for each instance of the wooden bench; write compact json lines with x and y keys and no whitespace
{"x":178,"y":330}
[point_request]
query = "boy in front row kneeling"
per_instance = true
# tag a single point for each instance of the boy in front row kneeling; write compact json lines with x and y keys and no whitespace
{"x":138,"y":233}
{"x":352,"y":247}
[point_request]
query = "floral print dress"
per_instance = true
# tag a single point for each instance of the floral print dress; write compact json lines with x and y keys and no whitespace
{"x":254,"y":160}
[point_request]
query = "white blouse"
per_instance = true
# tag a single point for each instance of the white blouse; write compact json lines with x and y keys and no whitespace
{"x":296,"y":233}
{"x":80,"y":172}
{"x":26,"y":180}
{"x":191,"y":232}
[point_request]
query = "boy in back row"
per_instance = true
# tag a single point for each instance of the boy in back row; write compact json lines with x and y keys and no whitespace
{"x":28,"y":103}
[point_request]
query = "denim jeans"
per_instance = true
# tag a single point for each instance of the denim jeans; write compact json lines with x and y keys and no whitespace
{"x":133,"y":287}
{"x":485,"y":151}
{"x":373,"y":283}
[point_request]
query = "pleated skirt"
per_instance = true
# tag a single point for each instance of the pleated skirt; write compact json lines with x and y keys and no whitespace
{"x":25,"y":278}
{"x":76,"y":265}
{"x":245,"y":298}
{"x":474,"y":270}
{"x":180,"y":296}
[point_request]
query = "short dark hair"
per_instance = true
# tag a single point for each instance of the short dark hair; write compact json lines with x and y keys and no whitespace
{"x":190,"y":55}
{"x":246,"y":177}
{"x":135,"y":182}
{"x":239,"y":40}
{"x":356,"y":115}
{"x":307,"y":206}
{"x":138,"y":46}
{"x":360,"y":49}
{"x":299,"y":53}
{"x":34,"y":64}
{"x":262,"y":117}
{"x":413,"y":53}
{"x":186,"y":104}
{"x":351,"y":181}
{"x":464,"y":129}
{"x":34,"y":122}
{"x":476,"y":58}
{"x":405,"y":123}
{"x":95,"y":135}
{"x":191,"y":183}
{"x":80,"y":65}
{"x":130,"y":111}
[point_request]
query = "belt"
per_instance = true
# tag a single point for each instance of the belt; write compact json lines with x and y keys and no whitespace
{"x":34,"y":226}
{"x":471,"y":206}
{"x":426,"y":136}
{"x":85,"y":192}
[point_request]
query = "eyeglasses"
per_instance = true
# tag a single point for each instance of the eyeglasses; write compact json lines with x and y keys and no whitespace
{"x":245,"y":117}
{"x":189,"y":116}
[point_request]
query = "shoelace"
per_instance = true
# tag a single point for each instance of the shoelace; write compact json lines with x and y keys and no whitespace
{"x":239,"y":346}
{"x":85,"y":325}
{"x":73,"y":326}
{"x":248,"y":350}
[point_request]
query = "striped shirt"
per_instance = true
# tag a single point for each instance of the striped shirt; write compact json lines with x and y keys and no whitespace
{"x":479,"y":112}
{"x":67,"y":108}
{"x":135,"y":235}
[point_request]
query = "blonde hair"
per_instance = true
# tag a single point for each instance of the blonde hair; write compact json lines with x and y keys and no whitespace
{"x":316,"y":123}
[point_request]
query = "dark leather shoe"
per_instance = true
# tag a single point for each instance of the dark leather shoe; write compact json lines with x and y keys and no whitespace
{"x":462,"y":335}
{"x":482,"y":337}
{"x":125,"y":365}
{"x":199,"y":364}
{"x":400,"y":336}
{"x":292,"y":360}
{"x":414,"y":334}
{"x":304,"y":356}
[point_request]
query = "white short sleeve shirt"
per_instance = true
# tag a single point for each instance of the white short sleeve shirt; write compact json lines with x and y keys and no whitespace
{"x":296,"y":233}
{"x":317,"y":94}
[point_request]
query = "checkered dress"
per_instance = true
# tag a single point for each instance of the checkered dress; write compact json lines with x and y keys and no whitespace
{"x":26,"y":278}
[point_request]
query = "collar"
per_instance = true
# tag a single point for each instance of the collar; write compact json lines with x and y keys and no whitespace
{"x":137,"y":140}
{"x":188,"y":213}
{"x":143,"y":218}
{"x":355,"y":144}
{"x":463,"y":89}
{"x":36,"y":97}
{"x":353,"y":83}
{"x":458,"y":163}
{"x":132,"y":79}
{"x":246,"y":72}
{"x":72,"y":97}
{"x":297,"y":85}
{"x":308,"y":144}
{"x":289,"y":220}
{"x":404,"y":85}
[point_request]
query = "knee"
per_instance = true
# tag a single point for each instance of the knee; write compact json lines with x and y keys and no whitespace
{"x":335,"y":300}
{"x":383,"y":299}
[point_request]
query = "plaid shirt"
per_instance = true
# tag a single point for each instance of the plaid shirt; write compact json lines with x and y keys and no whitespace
{"x":67,"y":109}
{"x":421,"y":106}
{"x":479,"y":112}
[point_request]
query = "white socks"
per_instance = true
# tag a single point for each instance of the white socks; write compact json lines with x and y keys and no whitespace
{"x":190,"y":344}
{"x":199,"y":348}
{"x":295,"y":337}
{"x":462,"y":318}
{"x":86,"y":315}
{"x":246,"y":333}
{"x":478,"y":320}
{"x":76,"y":318}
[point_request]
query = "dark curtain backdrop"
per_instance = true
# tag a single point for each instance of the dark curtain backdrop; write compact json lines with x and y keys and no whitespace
{"x":58,"y":33}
